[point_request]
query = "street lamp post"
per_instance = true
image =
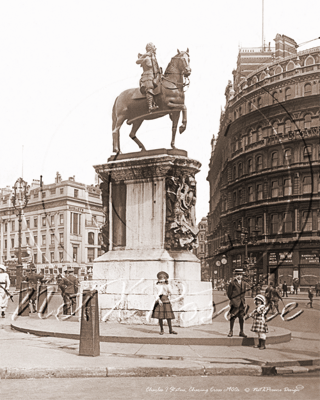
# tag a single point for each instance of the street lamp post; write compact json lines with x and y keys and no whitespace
{"x":20,"y":200}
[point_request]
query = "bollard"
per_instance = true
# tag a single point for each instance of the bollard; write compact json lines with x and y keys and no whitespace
{"x":42,"y":301}
{"x":23,"y":310}
{"x":89,"y":328}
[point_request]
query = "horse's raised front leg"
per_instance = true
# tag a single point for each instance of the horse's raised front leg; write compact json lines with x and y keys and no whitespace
{"x":135,"y":126}
{"x":174,"y":116}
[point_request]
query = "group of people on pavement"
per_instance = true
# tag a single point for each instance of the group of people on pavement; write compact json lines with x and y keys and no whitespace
{"x":69,"y":286}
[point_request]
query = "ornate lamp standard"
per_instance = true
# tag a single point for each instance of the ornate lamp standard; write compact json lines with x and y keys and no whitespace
{"x":20,"y":200}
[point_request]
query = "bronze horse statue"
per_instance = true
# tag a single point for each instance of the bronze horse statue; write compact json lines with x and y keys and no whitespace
{"x":131,"y":105}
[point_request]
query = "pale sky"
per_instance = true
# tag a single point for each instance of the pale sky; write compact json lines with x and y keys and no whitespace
{"x":63,"y":63}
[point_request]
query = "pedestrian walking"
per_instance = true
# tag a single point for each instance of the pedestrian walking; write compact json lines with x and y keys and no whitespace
{"x":4,"y":287}
{"x":295,"y":286}
{"x":162,"y":308}
{"x":69,"y":289}
{"x":236,"y":294}
{"x":259,"y":322}
{"x":33,"y":279}
{"x":310,"y":295}
{"x":284,"y":289}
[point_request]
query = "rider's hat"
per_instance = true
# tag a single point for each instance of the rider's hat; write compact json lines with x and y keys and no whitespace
{"x":150,"y":46}
{"x":238,"y":271}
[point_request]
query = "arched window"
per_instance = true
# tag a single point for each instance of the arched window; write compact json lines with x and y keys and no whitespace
{"x":90,"y":237}
{"x":274,"y":223}
{"x":274,"y":159}
{"x":250,"y":137}
{"x":234,"y":199}
{"x":234,"y":172}
{"x":250,"y":193}
{"x":306,"y":221}
{"x":307,"y":184}
{"x":307,"y":153}
{"x":307,"y":121}
{"x":309,"y":60}
{"x":274,"y":189}
{"x":287,"y":126}
{"x":240,"y":170}
{"x":259,"y":191}
{"x":287,"y":222}
{"x":278,"y":70}
{"x":287,"y":157}
{"x":275,"y":96}
{"x":240,"y":111}
{"x":259,"y":163}
{"x":307,"y":89}
{"x":288,"y":94}
{"x":250,"y":166}
{"x":290,"y":66}
{"x":259,"y":134}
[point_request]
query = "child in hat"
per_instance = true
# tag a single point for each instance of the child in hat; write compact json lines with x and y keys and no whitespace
{"x":162,"y":308}
{"x":259,"y":323}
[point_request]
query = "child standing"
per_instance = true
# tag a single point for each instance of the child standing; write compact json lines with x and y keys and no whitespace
{"x":259,"y":323}
{"x":162,"y":308}
{"x":310,"y":295}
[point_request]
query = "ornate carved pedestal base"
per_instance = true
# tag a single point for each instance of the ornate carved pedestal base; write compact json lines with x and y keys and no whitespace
{"x":149,"y":204}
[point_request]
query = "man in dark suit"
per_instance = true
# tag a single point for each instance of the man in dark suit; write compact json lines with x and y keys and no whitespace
{"x":70,"y":284}
{"x":34,"y":281}
{"x":236,"y":294}
{"x":284,"y":289}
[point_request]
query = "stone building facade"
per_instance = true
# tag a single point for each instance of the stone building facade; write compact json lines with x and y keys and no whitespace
{"x":201,"y":250}
{"x":264,"y":171}
{"x":60,"y":227}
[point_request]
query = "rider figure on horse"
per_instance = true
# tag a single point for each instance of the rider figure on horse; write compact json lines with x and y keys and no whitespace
{"x":151,"y":70}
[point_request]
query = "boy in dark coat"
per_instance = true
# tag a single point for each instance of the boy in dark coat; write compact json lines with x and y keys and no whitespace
{"x":236,"y":294}
{"x":310,"y":295}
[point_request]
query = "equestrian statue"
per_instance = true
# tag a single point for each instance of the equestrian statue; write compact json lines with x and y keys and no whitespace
{"x":159,"y":95}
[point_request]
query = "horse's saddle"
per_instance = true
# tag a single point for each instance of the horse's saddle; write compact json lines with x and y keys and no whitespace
{"x":138,"y":95}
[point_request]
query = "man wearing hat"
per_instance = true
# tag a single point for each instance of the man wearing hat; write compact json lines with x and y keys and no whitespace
{"x":236,"y":294}
{"x":70,"y":283}
{"x":4,"y":284}
{"x":33,"y":278}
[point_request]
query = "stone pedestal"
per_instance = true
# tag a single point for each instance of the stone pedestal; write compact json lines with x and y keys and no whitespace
{"x":149,"y":205}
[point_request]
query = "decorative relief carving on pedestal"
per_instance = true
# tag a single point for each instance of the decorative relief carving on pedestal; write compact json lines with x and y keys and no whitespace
{"x":181,"y":229}
{"x":105,"y":191}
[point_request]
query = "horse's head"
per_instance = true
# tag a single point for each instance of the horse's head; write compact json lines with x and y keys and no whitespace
{"x":181,"y":61}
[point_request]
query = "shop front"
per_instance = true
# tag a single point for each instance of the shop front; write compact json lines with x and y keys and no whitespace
{"x":309,"y":268}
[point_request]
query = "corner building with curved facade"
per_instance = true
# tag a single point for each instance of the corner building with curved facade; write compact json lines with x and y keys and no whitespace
{"x":264,"y":171}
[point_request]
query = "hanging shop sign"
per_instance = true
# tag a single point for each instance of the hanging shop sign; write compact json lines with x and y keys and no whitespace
{"x":285,"y":257}
{"x":273,"y":259}
{"x":309,"y":258}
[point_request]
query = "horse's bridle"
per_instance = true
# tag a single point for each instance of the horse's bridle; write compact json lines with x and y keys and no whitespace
{"x":178,"y":86}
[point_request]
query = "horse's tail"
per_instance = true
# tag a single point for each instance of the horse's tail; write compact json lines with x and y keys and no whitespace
{"x":114,"y":114}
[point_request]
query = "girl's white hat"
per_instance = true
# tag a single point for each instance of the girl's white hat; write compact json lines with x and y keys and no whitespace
{"x":261,"y":298}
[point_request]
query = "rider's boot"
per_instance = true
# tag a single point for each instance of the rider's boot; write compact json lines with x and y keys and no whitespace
{"x":151,"y":105}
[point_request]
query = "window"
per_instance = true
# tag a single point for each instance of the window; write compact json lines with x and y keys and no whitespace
{"x":44,"y":221}
{"x":287,"y":157}
{"x":35,"y":222}
{"x":259,"y":192}
{"x":61,"y":256}
{"x":43,"y":194}
{"x":275,"y":96}
{"x":43,"y":239}
{"x":6,"y":226}
{"x":90,"y":254}
{"x":35,"y":239}
{"x":307,"y":184}
{"x":240,"y":111}
{"x":28,"y":223}
{"x":75,"y":223}
{"x":27,"y":240}
{"x":274,"y":189}
{"x":259,"y":163}
{"x":241,"y":197}
{"x":259,"y":225}
{"x":307,"y":89}
{"x":240,"y":170}
{"x":250,"y":166}
{"x":259,"y":134}
{"x":250,"y":106}
{"x":75,"y":254}
{"x":234,"y":172}
{"x":251,"y":225}
{"x":306,"y":221}
{"x":91,"y":238}
{"x":61,"y":237}
{"x":234,"y":199}
{"x":287,"y":223}
{"x":52,"y":238}
{"x":13,"y":225}
{"x":76,"y":193}
{"x":61,"y":190}
{"x":307,"y":121}
{"x":52,"y":257}
{"x":274,"y":159}
{"x":307,"y":153}
{"x":288,"y":94}
{"x":44,"y":260}
{"x":274,"y":223}
{"x":35,"y":258}
{"x":287,"y":187}
{"x":287,"y":126}
{"x":250,"y":193}
{"x":259,"y":102}
{"x":53,"y":191}
{"x":12,"y":243}
{"x":5,"y":244}
{"x":250,"y":137}
{"x":61,"y":219}
{"x":52,"y":220}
